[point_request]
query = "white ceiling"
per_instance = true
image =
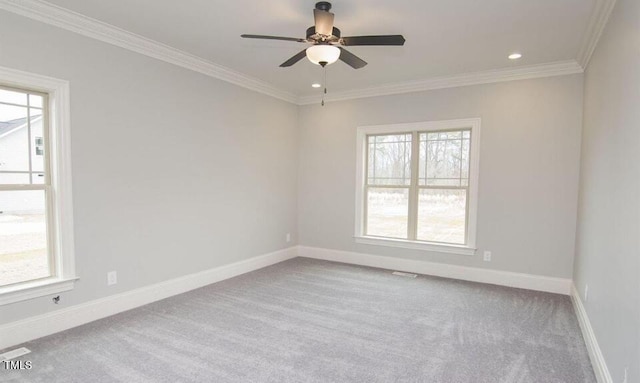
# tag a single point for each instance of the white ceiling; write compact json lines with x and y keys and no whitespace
{"x":444,"y":37}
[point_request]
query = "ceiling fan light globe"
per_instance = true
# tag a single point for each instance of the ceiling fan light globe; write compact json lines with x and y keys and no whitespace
{"x":323,"y":54}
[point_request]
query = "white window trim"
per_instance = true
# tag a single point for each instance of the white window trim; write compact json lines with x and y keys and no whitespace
{"x":60,"y":168}
{"x":474,"y":171}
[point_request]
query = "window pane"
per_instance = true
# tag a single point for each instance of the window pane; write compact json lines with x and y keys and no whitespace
{"x":387,"y":212}
{"x":23,"y":236}
{"x":389,"y":159}
{"x":13,"y":97}
{"x":444,"y":158}
{"x":466,"y":148}
{"x":35,"y":101}
{"x":442,"y":215}
{"x":451,"y":135}
{"x":38,"y":178}
{"x":14,"y":140}
{"x":14,"y":178}
{"x":37,"y":141}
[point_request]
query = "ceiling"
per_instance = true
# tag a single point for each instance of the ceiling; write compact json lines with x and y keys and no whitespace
{"x":444,"y":37}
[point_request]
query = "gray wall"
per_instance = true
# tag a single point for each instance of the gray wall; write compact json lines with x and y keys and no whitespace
{"x":173,"y":172}
{"x":529,"y":161}
{"x":608,"y":241}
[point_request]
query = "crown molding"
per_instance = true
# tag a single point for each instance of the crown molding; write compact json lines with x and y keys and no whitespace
{"x":86,"y":26}
{"x":477,"y":78}
{"x":597,"y":23}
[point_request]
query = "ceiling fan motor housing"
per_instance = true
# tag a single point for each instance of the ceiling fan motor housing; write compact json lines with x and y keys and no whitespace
{"x":323,"y":6}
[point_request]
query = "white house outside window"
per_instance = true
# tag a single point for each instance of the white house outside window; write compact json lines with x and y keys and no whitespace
{"x":417,"y":185}
{"x":36,"y":221}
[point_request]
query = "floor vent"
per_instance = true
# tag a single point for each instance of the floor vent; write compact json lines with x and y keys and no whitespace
{"x":14,"y":353}
{"x":402,"y":274}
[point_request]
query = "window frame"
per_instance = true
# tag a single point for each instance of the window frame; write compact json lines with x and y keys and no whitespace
{"x":60,"y":238}
{"x":472,"y":124}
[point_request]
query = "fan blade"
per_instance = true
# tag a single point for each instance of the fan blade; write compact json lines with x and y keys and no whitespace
{"x":373,"y":40}
{"x":324,"y":22}
{"x":354,"y":61}
{"x":299,"y":56}
{"x":274,"y":38}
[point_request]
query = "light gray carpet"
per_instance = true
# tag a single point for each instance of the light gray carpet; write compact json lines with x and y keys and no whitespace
{"x":312,"y":321}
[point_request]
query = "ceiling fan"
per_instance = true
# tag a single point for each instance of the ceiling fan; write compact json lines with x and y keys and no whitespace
{"x":327,"y":43}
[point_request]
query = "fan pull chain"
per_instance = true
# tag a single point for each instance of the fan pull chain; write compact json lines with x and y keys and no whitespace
{"x":324,"y":82}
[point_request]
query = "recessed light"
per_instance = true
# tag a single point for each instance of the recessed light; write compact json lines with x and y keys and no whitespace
{"x":515,"y":56}
{"x":316,"y":85}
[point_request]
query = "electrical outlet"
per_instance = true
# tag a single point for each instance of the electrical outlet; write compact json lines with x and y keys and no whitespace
{"x":112,"y":278}
{"x":626,"y":373}
{"x":586,"y":293}
{"x":487,"y":256}
{"x":288,"y":237}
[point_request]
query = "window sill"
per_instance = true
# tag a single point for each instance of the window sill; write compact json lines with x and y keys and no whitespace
{"x":30,"y":290}
{"x":416,"y":245}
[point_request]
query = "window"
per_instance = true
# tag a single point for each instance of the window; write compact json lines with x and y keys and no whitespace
{"x":418,"y":185}
{"x":36,"y":239}
{"x":25,"y":182}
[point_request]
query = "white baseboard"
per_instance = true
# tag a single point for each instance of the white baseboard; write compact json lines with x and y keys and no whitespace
{"x":14,"y":333}
{"x":595,"y":354}
{"x":495,"y":277}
